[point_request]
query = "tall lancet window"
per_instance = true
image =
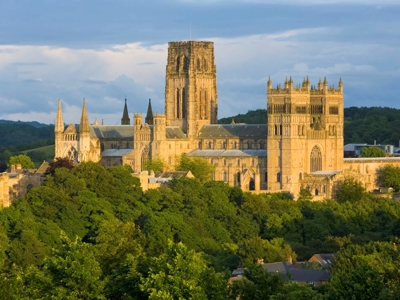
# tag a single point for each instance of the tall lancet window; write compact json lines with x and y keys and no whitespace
{"x":206,"y":108}
{"x":183,"y":103}
{"x":177,"y":106}
{"x":316,"y":159}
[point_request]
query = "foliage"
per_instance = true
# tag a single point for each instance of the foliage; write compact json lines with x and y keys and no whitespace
{"x":182,"y":274}
{"x":200,"y":168}
{"x":372,"y":152}
{"x":389,"y":176}
{"x":184,"y":239}
{"x":305,"y":195}
{"x":60,"y":162}
{"x":24,"y":160}
{"x":155,"y":164}
{"x":349,"y":189}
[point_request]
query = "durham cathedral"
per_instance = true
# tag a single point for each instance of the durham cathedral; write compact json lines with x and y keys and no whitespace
{"x":301,"y":146}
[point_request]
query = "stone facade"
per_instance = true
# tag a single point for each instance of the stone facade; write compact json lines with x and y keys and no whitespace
{"x":303,"y":137}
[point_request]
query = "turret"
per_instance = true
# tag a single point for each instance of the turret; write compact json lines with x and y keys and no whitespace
{"x":149,"y":115}
{"x":59,"y":125}
{"x":269,"y":84}
{"x":125,"y":116}
{"x":84,"y":124}
{"x":340,"y":85}
{"x":84,"y":135}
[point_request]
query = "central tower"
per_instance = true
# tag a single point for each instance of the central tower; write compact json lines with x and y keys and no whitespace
{"x":191,"y":86}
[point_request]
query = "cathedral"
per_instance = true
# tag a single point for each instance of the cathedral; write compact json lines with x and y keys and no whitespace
{"x":301,"y":146}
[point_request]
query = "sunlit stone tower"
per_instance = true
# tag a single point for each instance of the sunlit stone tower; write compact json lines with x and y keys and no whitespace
{"x":191,"y":88}
{"x":305,"y":133}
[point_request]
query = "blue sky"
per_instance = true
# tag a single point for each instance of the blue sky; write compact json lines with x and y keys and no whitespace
{"x":104,"y":50}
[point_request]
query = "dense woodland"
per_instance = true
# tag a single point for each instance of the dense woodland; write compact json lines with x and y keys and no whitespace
{"x":91,"y":233}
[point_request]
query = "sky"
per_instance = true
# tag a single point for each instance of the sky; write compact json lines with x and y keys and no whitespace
{"x":106,"y":50}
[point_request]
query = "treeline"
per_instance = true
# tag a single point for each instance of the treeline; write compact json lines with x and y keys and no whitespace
{"x":91,"y":233}
{"x":362,"y":124}
{"x":15,"y":134}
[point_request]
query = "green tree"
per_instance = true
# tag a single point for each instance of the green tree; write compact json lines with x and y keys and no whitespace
{"x":155,"y":164}
{"x":200,"y":168}
{"x":305,"y":195}
{"x":350,"y":190}
{"x":372,"y":152}
{"x":389,"y":176}
{"x":24,"y":160}
{"x":72,"y":272}
{"x":257,"y":284}
{"x":60,"y":162}
{"x":182,"y":274}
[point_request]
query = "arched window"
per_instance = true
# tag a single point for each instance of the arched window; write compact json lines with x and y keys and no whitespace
{"x":200,"y":145}
{"x":224,"y":177}
{"x":276,"y":129}
{"x":300,"y":176}
{"x":177,"y":64}
{"x":238,"y":162}
{"x":209,"y":145}
{"x":178,"y":100}
{"x":198,"y":64}
{"x":234,"y":145}
{"x":205,"y":65}
{"x":249,"y":145}
{"x":183,"y":103}
{"x":315,"y":159}
{"x":278,"y":177}
{"x":238,"y":178}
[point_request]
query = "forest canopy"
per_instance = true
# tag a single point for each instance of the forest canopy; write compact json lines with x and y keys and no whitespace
{"x":92,"y":233}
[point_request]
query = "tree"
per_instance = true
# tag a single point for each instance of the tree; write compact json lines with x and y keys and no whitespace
{"x":182,"y":274}
{"x":305,"y":195}
{"x":60,"y":162}
{"x":349,"y":189}
{"x":372,"y":152}
{"x":257,"y":284}
{"x":200,"y":168}
{"x":24,"y":160}
{"x":389,"y":176}
{"x":72,"y":272}
{"x":155,"y":164}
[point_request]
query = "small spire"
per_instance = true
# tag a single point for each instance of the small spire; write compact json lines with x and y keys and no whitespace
{"x":84,"y":125}
{"x":149,"y":116}
{"x":125,"y":116}
{"x":59,"y":126}
{"x":233,"y":121}
{"x":102,"y":121}
{"x":96,"y":122}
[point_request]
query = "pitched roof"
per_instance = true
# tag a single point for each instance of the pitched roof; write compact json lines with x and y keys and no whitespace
{"x":306,"y":275}
{"x":278,"y":267}
{"x":115,"y":152}
{"x":105,"y":132}
{"x":228,"y":153}
{"x":232,"y":130}
{"x":175,"y":132}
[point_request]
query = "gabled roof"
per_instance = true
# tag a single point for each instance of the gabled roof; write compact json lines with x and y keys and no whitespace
{"x":233,"y":130}
{"x":278,"y":267}
{"x":175,"y":132}
{"x":174,"y":174}
{"x":115,"y":152}
{"x":228,"y":153}
{"x":307,"y":276}
{"x":105,"y":132}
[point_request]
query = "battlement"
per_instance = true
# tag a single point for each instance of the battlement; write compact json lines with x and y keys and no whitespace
{"x":305,"y":88}
{"x":195,"y":44}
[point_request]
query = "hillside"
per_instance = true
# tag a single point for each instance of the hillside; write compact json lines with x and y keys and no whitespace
{"x":362,"y":124}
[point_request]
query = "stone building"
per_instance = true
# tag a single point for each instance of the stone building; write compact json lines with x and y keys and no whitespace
{"x":301,"y":146}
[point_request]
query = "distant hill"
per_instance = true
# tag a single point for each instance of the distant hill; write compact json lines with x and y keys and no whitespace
{"x":32,"y":123}
{"x":362,"y":124}
{"x":14,"y":134}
